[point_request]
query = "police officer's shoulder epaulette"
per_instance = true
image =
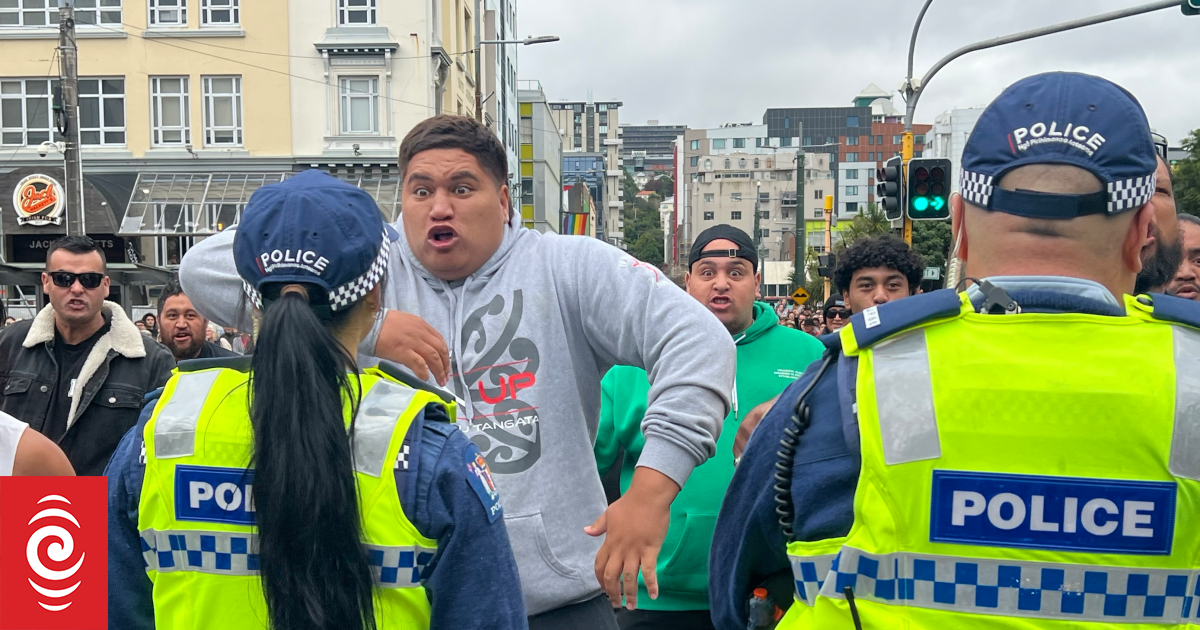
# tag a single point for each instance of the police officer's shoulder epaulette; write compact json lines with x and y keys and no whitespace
{"x":395,"y":372}
{"x":880,"y":322}
{"x":1173,"y":309}
{"x":241,"y":364}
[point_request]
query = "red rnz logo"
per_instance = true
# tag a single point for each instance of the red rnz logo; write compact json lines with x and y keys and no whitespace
{"x":54,"y":553}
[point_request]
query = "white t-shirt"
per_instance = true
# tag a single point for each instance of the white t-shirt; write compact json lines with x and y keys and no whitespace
{"x":11,"y":431}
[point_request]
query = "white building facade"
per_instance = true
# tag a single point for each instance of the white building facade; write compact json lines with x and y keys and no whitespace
{"x":951,"y":130}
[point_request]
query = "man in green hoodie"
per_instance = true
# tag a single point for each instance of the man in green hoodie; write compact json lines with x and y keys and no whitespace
{"x":721,"y":276}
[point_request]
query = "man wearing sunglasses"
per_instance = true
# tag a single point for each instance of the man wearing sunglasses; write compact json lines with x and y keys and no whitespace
{"x":836,"y":313}
{"x":78,"y":371}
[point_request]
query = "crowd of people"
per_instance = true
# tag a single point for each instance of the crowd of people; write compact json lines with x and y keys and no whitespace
{"x":417,"y":432}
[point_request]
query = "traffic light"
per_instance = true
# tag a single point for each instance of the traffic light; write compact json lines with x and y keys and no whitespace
{"x":826,"y":263}
{"x":1190,"y":7}
{"x":889,"y":188}
{"x":928,"y":188}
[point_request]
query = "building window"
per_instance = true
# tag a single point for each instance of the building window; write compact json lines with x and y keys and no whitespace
{"x":604,"y":129}
{"x":851,"y":173}
{"x":709,"y":197}
{"x":870,"y":139}
{"x":28,"y":12}
{"x":219,"y":13}
{"x":852,"y":207}
{"x":86,"y":11}
{"x":919,"y":139}
{"x":695,"y":160}
{"x":360,"y":97}
{"x":708,"y":165}
{"x":356,"y":12}
{"x":785,"y":142}
{"x":527,"y":191}
{"x":102,"y":111}
{"x":708,"y":216}
{"x":787,"y":123}
{"x":830,"y":140}
{"x":742,"y":163}
{"x":852,"y":121}
{"x":718,"y":143}
{"x":223,"y":111}
{"x":851,"y":157}
{"x":764,"y":233}
{"x":168,"y":12}
{"x":852,"y":141}
{"x":728,"y":163}
{"x":878,"y":139}
{"x":918,"y":154}
{"x":169,"y":104}
{"x":758,"y":142}
{"x":695,"y":145}
{"x":818,"y":194}
{"x":736,"y":215}
{"x":764,"y":214}
{"x":739,"y":143}
{"x":897,"y":139}
{"x":852,"y":191}
{"x":25,"y":108}
{"x":807,"y":142}
{"x":735,"y":196}
{"x":756,"y":162}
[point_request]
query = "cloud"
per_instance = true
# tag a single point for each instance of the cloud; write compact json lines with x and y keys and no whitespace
{"x":707,"y":62}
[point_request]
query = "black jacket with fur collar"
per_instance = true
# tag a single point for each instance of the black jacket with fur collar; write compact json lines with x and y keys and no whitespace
{"x":121,"y":368}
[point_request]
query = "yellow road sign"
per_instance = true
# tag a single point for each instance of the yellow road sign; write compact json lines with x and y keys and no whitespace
{"x":800,"y":296}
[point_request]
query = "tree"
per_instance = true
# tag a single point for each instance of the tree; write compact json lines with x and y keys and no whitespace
{"x":1185,"y":177}
{"x":648,"y":247}
{"x":629,"y":187}
{"x":871,"y":222}
{"x":931,"y":239}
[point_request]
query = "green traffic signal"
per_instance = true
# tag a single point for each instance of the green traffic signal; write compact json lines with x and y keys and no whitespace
{"x":928,"y":186}
{"x":920,"y":204}
{"x":938,"y":203}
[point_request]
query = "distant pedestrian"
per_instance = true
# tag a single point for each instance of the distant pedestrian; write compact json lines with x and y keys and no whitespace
{"x":185,"y":332}
{"x":1186,"y":283}
{"x":876,"y":271}
{"x":151,"y":323}
{"x":835,"y":314}
{"x":77,"y":372}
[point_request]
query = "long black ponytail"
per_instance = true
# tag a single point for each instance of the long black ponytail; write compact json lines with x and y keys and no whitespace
{"x":313,"y":564}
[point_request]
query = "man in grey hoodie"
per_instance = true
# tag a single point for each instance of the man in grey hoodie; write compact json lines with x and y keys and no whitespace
{"x":533,"y":323}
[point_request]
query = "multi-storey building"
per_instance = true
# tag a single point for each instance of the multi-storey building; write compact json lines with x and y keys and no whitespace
{"x":951,"y":130}
{"x":650,"y":147}
{"x":589,"y":168}
{"x":184,"y":111}
{"x":594,"y":127}
{"x":500,"y":106}
{"x":541,"y":161}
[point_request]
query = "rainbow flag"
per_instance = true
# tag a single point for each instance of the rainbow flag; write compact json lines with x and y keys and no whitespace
{"x":576,"y":224}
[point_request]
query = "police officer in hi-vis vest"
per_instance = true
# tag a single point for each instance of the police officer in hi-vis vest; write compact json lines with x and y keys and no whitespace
{"x":289,"y":489}
{"x":1025,"y":454}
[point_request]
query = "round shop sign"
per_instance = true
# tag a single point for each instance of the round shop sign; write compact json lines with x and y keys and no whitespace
{"x":39,"y":201}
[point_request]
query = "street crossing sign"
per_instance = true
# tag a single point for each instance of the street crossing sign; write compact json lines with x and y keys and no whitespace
{"x":800,"y":296}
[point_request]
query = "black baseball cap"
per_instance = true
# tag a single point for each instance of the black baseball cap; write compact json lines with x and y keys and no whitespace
{"x":834,"y":301}
{"x":745,"y":245}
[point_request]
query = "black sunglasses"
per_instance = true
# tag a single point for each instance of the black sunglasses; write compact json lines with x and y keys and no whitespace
{"x":843,"y":313}
{"x":66,"y":279}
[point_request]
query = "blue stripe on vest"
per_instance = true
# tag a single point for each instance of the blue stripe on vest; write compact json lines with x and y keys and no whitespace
{"x":901,"y":315}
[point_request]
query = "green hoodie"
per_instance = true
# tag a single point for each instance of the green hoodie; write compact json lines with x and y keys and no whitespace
{"x":769,"y":358}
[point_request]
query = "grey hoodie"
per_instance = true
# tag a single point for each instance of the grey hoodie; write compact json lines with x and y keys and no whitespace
{"x":531,"y":334}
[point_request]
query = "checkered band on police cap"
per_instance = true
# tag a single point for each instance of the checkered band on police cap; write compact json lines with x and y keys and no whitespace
{"x":347,"y":294}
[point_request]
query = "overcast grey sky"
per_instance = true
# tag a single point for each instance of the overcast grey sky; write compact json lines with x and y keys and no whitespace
{"x":707,"y":62}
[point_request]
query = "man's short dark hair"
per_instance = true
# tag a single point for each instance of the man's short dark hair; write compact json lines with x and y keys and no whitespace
{"x":457,"y":132}
{"x":76,"y":245}
{"x":170,"y":290}
{"x":880,"y":251}
{"x":1188,"y":218}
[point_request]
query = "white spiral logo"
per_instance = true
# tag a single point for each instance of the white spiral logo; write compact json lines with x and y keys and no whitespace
{"x":59,"y":551}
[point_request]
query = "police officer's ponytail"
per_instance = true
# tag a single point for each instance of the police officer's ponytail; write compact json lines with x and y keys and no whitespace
{"x":314,"y":567}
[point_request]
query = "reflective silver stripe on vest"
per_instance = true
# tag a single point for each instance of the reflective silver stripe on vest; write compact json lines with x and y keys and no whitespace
{"x":175,"y":429}
{"x":1185,"y":441}
{"x":904,"y":399}
{"x":227,"y":553}
{"x":378,"y":414}
{"x":1016,"y":589}
{"x":808,"y":572}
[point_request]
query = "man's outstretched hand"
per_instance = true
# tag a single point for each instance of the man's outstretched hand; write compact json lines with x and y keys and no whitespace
{"x":635,"y":526}
{"x":410,"y":341}
{"x":748,"y":425}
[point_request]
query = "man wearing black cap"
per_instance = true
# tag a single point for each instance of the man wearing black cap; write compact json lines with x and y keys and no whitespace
{"x":835,"y":313}
{"x":963,"y":459}
{"x":720,"y":276}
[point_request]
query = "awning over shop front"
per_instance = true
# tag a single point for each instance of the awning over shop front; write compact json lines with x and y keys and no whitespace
{"x":122,"y":274}
{"x":202,"y":204}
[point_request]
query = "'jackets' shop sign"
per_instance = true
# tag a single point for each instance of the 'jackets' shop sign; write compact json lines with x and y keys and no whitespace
{"x":32,"y":248}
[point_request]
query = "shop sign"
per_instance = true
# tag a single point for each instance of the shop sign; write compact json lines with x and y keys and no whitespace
{"x":39,"y":200}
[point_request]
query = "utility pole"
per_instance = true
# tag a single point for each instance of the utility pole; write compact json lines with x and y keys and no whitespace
{"x":762,"y":265}
{"x":478,"y":63}
{"x":801,"y":255}
{"x":829,"y":223}
{"x":68,"y":123}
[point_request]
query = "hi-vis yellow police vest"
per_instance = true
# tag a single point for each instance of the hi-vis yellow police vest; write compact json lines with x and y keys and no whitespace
{"x":196,"y":514}
{"x":1010,"y":482}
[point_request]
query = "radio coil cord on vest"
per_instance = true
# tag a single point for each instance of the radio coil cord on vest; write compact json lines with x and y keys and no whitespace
{"x":787,"y":450}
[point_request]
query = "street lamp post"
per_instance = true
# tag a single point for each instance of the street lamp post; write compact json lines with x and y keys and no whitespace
{"x":479,"y":42}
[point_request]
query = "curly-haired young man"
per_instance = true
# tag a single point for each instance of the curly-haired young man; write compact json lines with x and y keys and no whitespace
{"x":877,"y":270}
